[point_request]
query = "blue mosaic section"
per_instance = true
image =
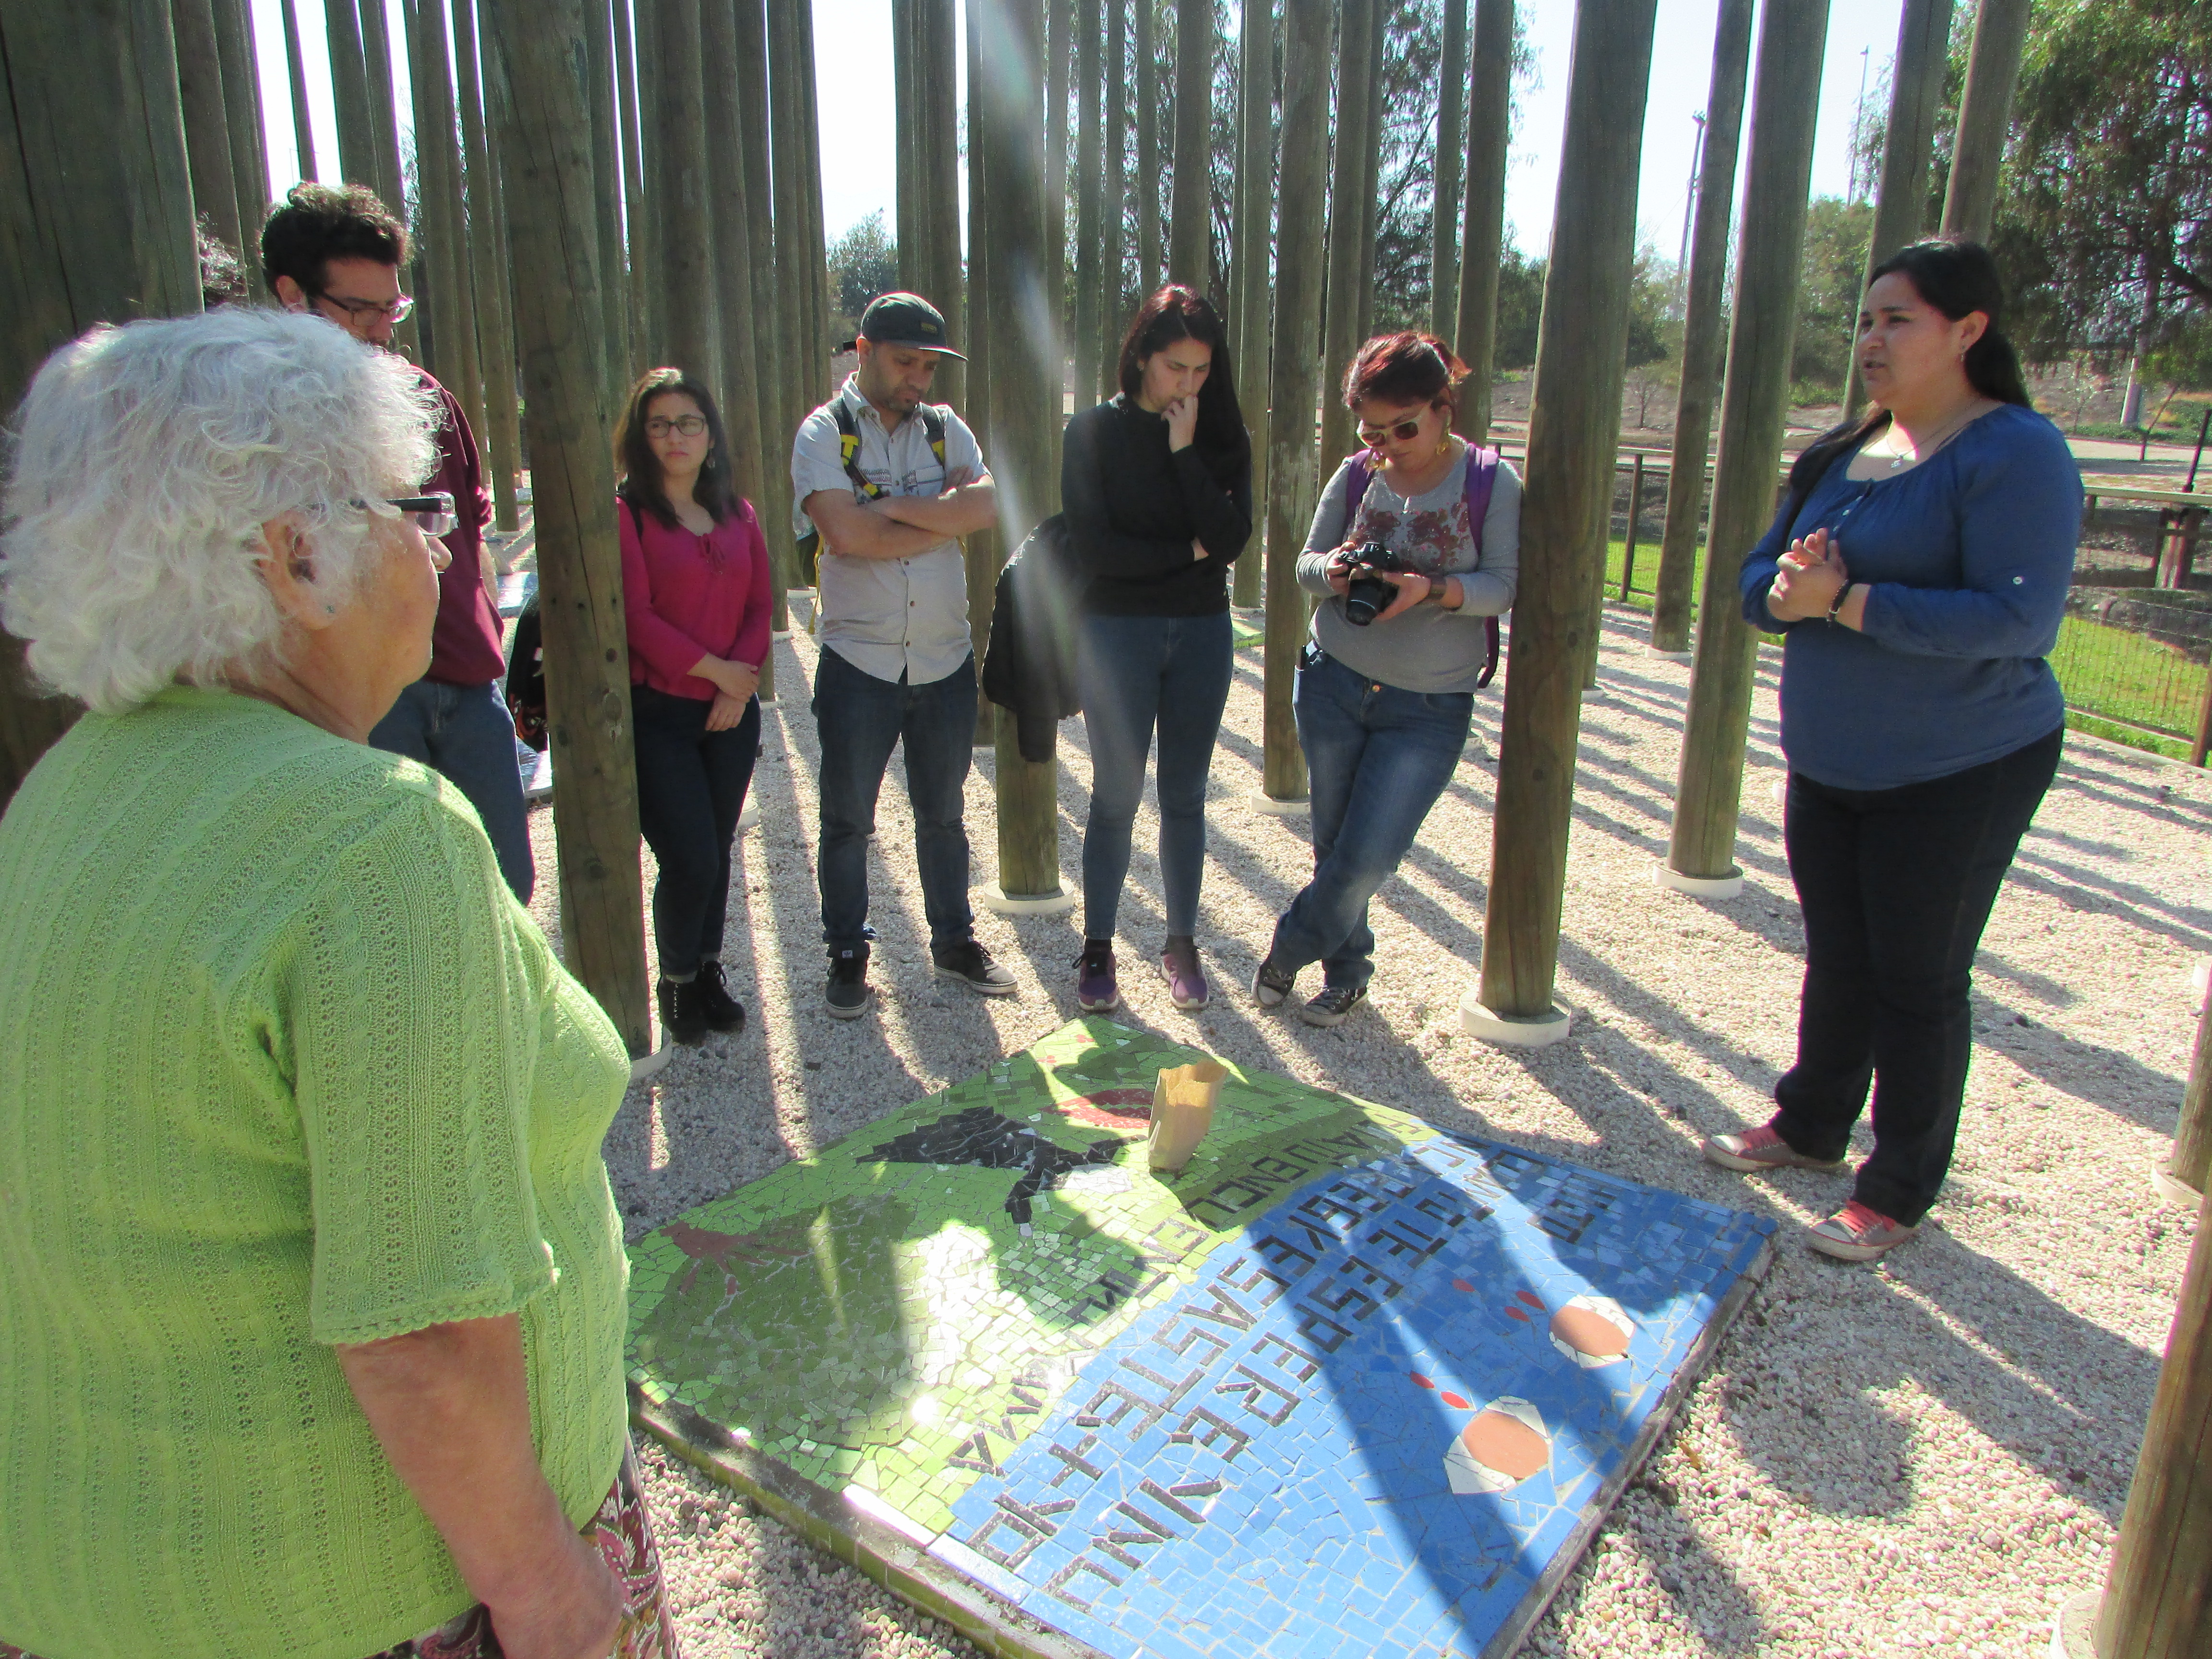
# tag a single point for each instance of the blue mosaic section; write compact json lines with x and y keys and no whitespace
{"x":1372,"y":1424}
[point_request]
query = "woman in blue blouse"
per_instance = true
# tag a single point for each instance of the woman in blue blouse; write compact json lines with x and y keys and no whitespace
{"x":1917,"y":573}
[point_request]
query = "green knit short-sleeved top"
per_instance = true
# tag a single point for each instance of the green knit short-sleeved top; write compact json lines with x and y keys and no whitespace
{"x":282,"y":1065}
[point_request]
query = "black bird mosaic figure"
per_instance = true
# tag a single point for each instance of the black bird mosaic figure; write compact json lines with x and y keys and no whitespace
{"x":981,"y":1139}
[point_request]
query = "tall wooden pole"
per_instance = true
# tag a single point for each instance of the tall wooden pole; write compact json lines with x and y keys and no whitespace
{"x":908,"y":231}
{"x":1770,"y":246}
{"x":1970,"y":201}
{"x":206,"y":120}
{"x":295,"y":70}
{"x":939,"y":176}
{"x":1349,"y":250}
{"x":1370,"y":173}
{"x":1443,"y":229}
{"x":816,"y":251}
{"x":1915,"y":95}
{"x":384,"y":175}
{"x":1249,"y":318}
{"x":1115,"y":207}
{"x":1022,"y":382}
{"x":738,"y":374}
{"x":1054,"y":272}
{"x":2157,"y":1601}
{"x":682,"y":266}
{"x":1089,"y":92}
{"x":540,"y":58}
{"x":1293,"y":384}
{"x":2191,"y":1163}
{"x":629,"y":106}
{"x":1191,"y":217}
{"x":495,"y":332}
{"x":794,"y":253}
{"x":771,"y":383}
{"x":652,"y":191}
{"x":95,"y":226}
{"x":1701,"y":327}
{"x":1148,"y":145}
{"x":438,"y":157}
{"x":1482,"y":237}
{"x":241,"y":98}
{"x":349,"y":90}
{"x":606,"y":189}
{"x":981,"y":550}
{"x":1574,"y":422}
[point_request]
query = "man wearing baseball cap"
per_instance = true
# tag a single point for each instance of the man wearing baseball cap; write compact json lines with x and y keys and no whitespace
{"x":884,"y":484}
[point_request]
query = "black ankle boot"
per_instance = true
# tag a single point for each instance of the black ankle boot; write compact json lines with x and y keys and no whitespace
{"x":724,"y":1013}
{"x":683,"y":1013}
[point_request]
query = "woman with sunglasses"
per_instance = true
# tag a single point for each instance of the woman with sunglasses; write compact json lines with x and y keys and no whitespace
{"x":1155,"y":487}
{"x":696,"y":597}
{"x":1400,"y":646}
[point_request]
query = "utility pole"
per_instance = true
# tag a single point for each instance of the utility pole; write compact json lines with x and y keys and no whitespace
{"x":1689,"y":213}
{"x":1574,"y":429}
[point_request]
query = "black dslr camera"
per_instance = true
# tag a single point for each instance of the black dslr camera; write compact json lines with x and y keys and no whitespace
{"x":1367,"y":596}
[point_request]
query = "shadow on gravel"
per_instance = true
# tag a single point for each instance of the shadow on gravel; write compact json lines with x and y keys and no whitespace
{"x":2188,"y":925}
{"x":2103,"y":1077}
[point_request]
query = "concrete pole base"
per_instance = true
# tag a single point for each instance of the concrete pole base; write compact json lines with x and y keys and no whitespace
{"x":999,"y":902}
{"x":779,"y":633}
{"x":2073,"y":1633}
{"x":2200,"y":983}
{"x":1513,"y":1031}
{"x":1704,"y":887}
{"x":2171,"y":1187}
{"x":1671,"y":656}
{"x":1281,"y":809}
{"x":1782,"y":790}
{"x":646,"y":1065}
{"x":749,"y":818}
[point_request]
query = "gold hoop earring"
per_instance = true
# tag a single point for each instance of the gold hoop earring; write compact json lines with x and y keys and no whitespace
{"x":1443,"y":444}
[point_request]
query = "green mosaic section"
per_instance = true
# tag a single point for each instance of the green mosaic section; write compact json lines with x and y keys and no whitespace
{"x":881,"y":1316}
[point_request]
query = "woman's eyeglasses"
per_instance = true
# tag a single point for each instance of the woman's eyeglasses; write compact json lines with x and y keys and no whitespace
{"x":397,"y":310}
{"x":1405,"y":432}
{"x":433,"y":515}
{"x":690,"y":425}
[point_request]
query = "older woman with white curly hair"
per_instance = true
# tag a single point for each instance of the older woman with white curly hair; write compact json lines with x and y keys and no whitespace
{"x":310,"y":1282}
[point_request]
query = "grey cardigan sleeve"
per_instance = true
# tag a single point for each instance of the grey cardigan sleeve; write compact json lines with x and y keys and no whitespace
{"x":1325,"y":535}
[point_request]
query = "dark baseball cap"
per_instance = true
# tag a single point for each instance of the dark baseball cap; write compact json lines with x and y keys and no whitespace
{"x":905,"y":319}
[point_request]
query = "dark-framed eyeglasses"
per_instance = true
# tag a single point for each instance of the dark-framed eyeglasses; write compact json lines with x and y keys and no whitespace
{"x":1405,"y":432}
{"x":433,"y":515}
{"x":659,"y":426}
{"x":397,"y":311}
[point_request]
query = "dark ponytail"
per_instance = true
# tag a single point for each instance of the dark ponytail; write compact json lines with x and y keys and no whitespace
{"x":1958,"y":278}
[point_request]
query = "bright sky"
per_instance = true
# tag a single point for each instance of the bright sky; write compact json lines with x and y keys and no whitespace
{"x":852,"y":57}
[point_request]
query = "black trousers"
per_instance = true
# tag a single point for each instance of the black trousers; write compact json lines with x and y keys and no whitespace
{"x":1896,"y":885}
{"x":691,"y":786}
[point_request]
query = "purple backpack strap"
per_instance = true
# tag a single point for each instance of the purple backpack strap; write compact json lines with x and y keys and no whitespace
{"x":1355,"y":489}
{"x":1481,"y":481}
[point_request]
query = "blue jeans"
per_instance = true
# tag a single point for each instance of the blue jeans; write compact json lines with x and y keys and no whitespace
{"x":1135,"y":673}
{"x":691,"y":786}
{"x":860,"y":717}
{"x":1377,"y":758}
{"x":466,"y":733}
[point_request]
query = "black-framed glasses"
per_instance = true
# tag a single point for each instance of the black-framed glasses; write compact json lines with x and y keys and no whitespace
{"x":397,"y":310}
{"x":659,"y":426}
{"x":433,"y":515}
{"x":1405,"y":432}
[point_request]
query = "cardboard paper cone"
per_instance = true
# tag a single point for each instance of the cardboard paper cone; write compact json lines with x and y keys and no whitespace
{"x":1182,"y":1111}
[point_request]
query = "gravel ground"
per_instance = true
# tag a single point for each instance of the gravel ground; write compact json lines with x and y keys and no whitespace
{"x":1926,"y":1455}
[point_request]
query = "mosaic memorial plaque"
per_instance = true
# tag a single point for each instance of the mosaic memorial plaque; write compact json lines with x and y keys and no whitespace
{"x":1345,"y":1384}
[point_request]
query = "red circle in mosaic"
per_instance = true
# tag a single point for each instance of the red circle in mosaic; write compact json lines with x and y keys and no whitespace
{"x":1456,"y":1402}
{"x":1423,"y":1380}
{"x":1126,"y":1109}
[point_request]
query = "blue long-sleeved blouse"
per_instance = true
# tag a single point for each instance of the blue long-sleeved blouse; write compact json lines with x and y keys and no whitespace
{"x":1969,"y":555}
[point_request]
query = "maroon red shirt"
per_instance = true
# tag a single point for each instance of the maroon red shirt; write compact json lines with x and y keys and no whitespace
{"x":687,"y":595}
{"x":466,"y":642}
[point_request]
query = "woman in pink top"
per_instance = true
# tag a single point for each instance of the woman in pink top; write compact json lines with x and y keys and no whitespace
{"x":696,"y":594}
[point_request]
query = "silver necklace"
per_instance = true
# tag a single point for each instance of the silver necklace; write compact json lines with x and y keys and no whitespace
{"x":1921,"y":452}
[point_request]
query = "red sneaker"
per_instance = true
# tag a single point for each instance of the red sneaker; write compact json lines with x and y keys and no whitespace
{"x":1761,"y":1149}
{"x":1855,"y":1233}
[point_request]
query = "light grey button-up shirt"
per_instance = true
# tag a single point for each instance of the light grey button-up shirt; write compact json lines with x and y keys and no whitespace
{"x":888,"y":616}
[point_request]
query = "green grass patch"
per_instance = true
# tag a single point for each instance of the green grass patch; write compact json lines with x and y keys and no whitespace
{"x":2127,"y":675}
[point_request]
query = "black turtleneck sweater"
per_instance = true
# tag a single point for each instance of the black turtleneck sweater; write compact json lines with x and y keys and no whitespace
{"x":1132,"y":508}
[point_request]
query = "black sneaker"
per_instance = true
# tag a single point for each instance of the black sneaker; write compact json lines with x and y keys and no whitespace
{"x":1333,"y":1005}
{"x":683,"y":1013}
{"x":724,"y":1012}
{"x":846,"y":994}
{"x":971,"y":964}
{"x":1270,"y":984}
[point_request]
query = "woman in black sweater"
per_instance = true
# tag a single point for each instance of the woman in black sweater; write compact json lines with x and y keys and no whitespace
{"x":1155,"y":487}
